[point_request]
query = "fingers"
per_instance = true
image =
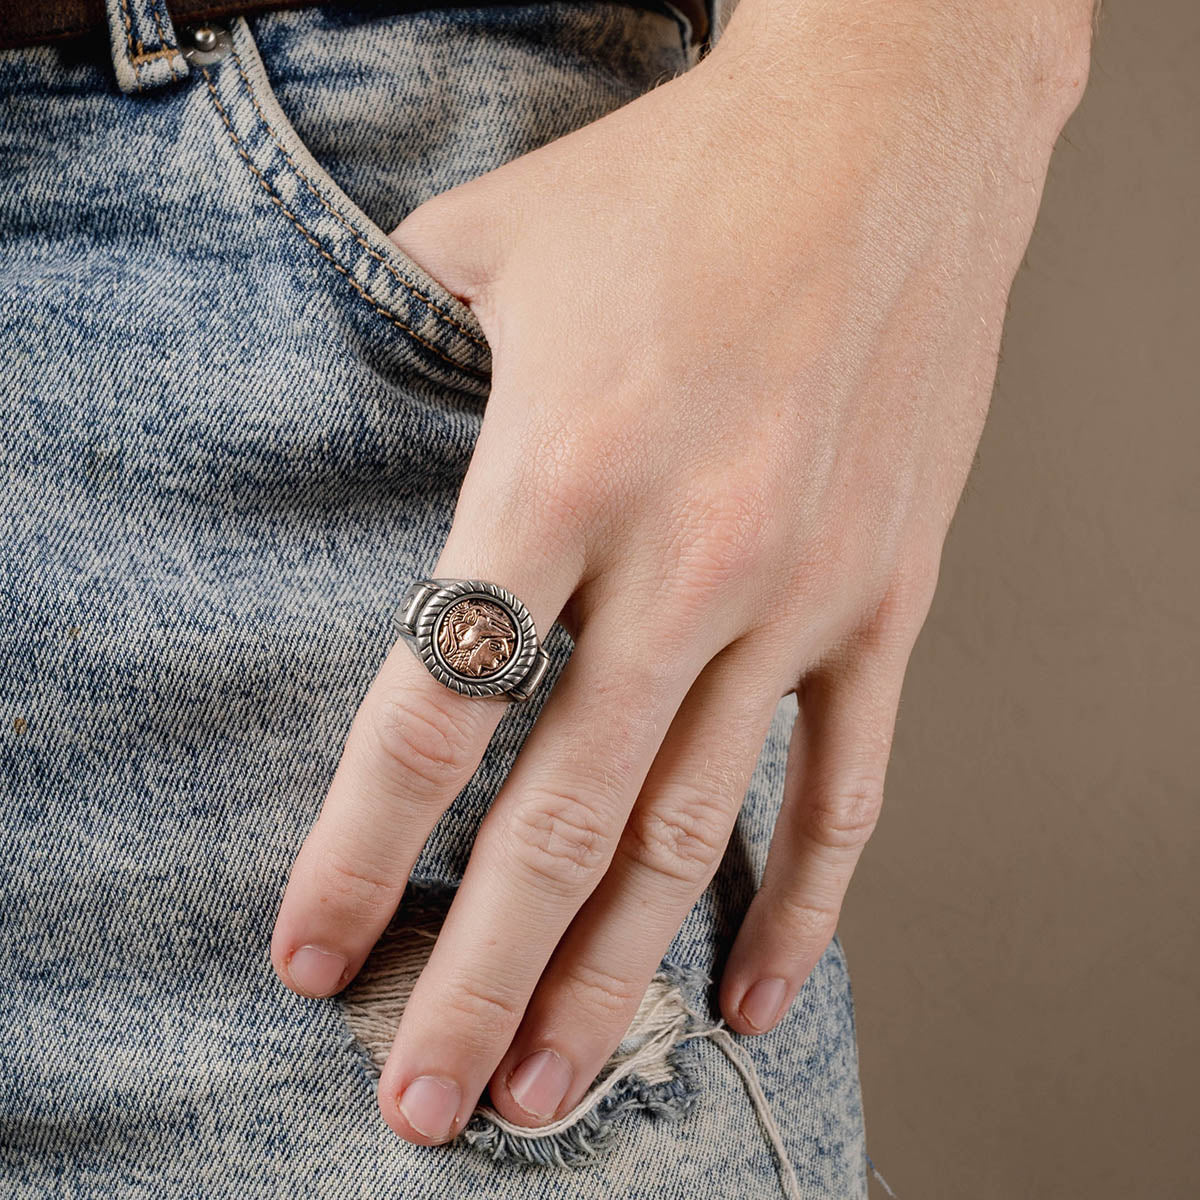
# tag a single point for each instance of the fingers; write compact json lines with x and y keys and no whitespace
{"x":667,"y":853}
{"x":543,"y":848}
{"x":837,"y":760}
{"x":412,"y":747}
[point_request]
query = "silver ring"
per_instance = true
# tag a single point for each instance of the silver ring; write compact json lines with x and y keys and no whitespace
{"x":473,"y":636}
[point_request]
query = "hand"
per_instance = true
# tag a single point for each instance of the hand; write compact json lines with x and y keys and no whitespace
{"x":744,"y":333}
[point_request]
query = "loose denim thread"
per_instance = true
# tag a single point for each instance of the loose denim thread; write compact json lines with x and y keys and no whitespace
{"x":883,"y":1183}
{"x":645,"y":1071}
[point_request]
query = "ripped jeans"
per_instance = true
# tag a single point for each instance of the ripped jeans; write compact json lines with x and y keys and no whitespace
{"x":235,"y":420}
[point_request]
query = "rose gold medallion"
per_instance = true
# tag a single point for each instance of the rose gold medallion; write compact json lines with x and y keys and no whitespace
{"x":476,"y":637}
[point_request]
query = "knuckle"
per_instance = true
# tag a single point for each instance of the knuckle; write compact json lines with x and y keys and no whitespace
{"x":355,"y":892}
{"x":846,"y":820}
{"x":723,"y":535}
{"x":487,"y":1014}
{"x":572,"y":495}
{"x":420,"y":739}
{"x":601,"y":998}
{"x":683,"y":841}
{"x":906,"y":600}
{"x":560,"y":487}
{"x":823,"y":557}
{"x":807,"y":924}
{"x":559,"y":840}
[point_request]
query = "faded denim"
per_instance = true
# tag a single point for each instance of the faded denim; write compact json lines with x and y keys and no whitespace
{"x":235,"y":421}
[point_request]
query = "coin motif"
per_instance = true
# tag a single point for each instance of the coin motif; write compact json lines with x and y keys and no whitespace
{"x":476,"y":637}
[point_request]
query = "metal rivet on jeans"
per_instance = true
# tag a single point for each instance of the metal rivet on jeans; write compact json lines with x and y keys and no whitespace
{"x":206,"y":44}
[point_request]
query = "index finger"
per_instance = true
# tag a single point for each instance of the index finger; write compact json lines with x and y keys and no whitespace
{"x":412,"y":747}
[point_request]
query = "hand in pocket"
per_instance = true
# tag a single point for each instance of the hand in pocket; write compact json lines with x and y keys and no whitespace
{"x":744,"y":332}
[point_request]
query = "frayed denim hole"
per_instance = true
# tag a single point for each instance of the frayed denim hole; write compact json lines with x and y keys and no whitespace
{"x":374,"y":1002}
{"x":649,"y":1072}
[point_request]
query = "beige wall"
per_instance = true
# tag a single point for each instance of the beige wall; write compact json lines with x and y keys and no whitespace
{"x":1023,"y":932}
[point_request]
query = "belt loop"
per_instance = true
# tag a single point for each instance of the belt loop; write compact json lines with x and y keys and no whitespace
{"x":145,"y":49}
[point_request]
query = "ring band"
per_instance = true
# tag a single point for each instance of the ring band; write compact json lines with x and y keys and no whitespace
{"x":474,"y":637}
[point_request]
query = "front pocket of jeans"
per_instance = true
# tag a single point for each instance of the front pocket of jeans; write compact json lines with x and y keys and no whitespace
{"x":447,"y":341}
{"x":466,"y":91}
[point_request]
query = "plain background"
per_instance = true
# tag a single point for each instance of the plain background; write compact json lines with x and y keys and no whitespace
{"x":1023,"y":932}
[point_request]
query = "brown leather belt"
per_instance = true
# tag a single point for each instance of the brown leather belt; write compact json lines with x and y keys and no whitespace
{"x":28,"y":22}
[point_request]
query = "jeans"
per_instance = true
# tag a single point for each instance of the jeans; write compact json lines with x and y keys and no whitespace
{"x":235,"y":421}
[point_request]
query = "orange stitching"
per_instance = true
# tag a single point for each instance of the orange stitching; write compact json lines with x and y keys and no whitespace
{"x":137,"y":78}
{"x":162,"y":37}
{"x":445,"y":316}
{"x":143,"y":55}
{"x":308,"y":237}
{"x":167,"y":48}
{"x":166,"y":51}
{"x":152,"y":54}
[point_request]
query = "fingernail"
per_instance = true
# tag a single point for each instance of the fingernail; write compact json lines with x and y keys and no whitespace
{"x":539,"y":1084}
{"x":761,"y":1004}
{"x":315,"y":971}
{"x":430,"y":1104}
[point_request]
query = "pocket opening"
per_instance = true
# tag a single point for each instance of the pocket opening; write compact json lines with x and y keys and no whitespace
{"x":445,"y":334}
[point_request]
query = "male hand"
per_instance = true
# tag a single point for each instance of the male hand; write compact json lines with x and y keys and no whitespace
{"x":744,"y":333}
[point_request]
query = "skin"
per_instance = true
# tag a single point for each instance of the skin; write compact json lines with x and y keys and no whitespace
{"x":744,"y":335}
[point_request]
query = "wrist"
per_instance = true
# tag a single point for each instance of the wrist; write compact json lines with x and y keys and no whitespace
{"x":1038,"y":51}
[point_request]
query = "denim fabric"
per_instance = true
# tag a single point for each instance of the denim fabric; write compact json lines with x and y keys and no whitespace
{"x":235,"y":421}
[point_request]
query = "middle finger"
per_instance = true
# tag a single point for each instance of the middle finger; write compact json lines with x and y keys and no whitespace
{"x":668,"y":852}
